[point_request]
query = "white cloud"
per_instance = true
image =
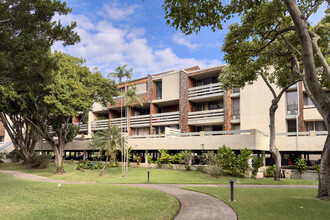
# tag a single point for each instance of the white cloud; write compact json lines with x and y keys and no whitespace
{"x":183,"y":40}
{"x":105,"y":46}
{"x":115,"y":11}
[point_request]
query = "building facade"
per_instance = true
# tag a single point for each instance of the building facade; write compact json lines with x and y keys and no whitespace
{"x":187,"y":110}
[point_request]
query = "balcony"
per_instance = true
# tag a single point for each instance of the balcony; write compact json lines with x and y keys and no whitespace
{"x":140,"y":121}
{"x":209,"y":117}
{"x":120,"y":122}
{"x":100,"y":125}
{"x":209,"y":92}
{"x":83,"y":127}
{"x":169,"y":118}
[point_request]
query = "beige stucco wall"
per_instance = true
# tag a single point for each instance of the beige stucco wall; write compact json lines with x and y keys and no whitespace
{"x":305,"y":143}
{"x":312,"y":114}
{"x":170,"y":85}
{"x":255,"y":101}
{"x":98,"y":107}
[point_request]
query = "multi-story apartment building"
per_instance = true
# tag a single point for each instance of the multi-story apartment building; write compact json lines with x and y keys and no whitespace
{"x":187,"y":110}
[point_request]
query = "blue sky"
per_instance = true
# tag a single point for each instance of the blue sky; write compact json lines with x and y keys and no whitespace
{"x":134,"y":32}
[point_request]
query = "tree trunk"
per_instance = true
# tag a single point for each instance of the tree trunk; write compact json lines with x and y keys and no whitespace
{"x":105,"y":165}
{"x":59,"y":153}
{"x":324,"y":181}
{"x":272,"y":148}
{"x":320,"y":99}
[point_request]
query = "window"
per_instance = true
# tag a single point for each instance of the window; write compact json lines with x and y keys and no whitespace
{"x":215,"y":105}
{"x":236,"y":108}
{"x":235,"y":90}
{"x":310,"y":126}
{"x":160,"y":109}
{"x":292,"y":102}
{"x":2,"y":139}
{"x":320,"y":126}
{"x":217,"y":128}
{"x":159,"y":90}
{"x":236,"y":127}
{"x":307,"y":100}
{"x":292,"y":126}
{"x":199,"y":106}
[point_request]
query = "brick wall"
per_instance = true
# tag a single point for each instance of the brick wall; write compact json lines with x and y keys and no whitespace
{"x":228,"y":111}
{"x":153,"y":110}
{"x":183,"y":102}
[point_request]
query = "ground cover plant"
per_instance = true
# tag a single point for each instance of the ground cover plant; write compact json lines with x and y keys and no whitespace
{"x":268,"y":203}
{"x":139,"y":175}
{"x":37,"y":200}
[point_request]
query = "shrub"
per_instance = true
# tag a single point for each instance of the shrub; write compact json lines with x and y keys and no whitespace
{"x":301,"y":165}
{"x":270,"y":171}
{"x":242,"y":161}
{"x":40,"y":161}
{"x":317,"y":168}
{"x":14,"y":156}
{"x":214,"y":170}
{"x":186,"y":158}
{"x":228,"y":161}
{"x":209,"y":158}
{"x":149,"y":159}
{"x":257,"y":162}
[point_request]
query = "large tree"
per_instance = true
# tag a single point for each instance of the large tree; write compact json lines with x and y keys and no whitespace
{"x":70,"y":90}
{"x":290,"y":17}
{"x":26,"y":34}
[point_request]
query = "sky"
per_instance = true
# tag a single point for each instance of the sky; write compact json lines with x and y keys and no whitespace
{"x":134,"y":33}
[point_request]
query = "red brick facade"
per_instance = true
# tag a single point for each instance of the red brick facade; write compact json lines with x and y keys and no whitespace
{"x":2,"y":130}
{"x":228,"y":111}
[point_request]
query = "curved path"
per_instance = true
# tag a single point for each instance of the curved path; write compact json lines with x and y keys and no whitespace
{"x":193,"y":205}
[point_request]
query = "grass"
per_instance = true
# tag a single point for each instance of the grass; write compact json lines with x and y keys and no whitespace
{"x":22,"y":199}
{"x":139,"y":175}
{"x":270,"y":203}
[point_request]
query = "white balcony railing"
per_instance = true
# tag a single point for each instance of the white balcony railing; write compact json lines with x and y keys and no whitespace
{"x":83,"y":127}
{"x":140,"y":121}
{"x":206,"y":91}
{"x":100,"y":124}
{"x":120,"y":122}
{"x":208,"y":116}
{"x":165,"y":118}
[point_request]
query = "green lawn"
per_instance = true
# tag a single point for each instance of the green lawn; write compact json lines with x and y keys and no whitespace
{"x":22,"y":199}
{"x":267,"y":203}
{"x":139,"y":175}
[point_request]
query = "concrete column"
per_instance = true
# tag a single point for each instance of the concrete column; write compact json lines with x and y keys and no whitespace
{"x":145,"y":157}
{"x":263,"y":155}
{"x":84,"y":156}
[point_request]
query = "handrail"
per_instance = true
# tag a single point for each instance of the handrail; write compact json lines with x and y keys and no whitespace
{"x":205,"y":86}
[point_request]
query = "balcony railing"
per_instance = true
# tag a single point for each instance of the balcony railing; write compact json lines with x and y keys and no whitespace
{"x":165,"y":118}
{"x":119,"y":122}
{"x":100,"y":124}
{"x":83,"y":127}
{"x":206,"y":91}
{"x":205,"y":116}
{"x":140,"y":121}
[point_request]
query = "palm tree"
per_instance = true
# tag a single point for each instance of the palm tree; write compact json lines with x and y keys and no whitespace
{"x":131,"y":98}
{"x":107,"y":141}
{"x":120,"y":73}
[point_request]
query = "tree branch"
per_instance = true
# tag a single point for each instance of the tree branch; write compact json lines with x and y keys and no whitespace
{"x":319,"y":54}
{"x":313,"y":10}
{"x":267,"y":83}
